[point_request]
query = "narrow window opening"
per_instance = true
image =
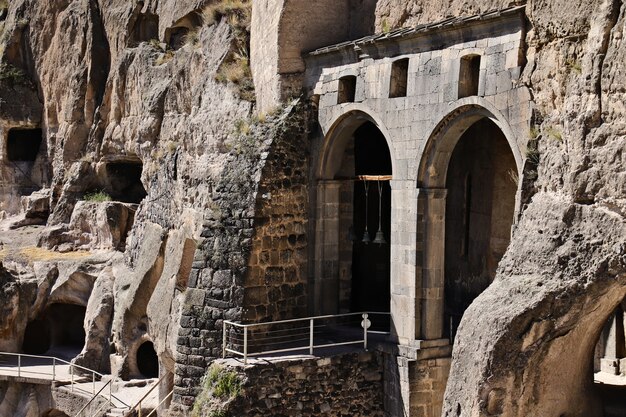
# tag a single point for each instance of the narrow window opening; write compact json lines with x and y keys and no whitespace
{"x":23,"y":144}
{"x":347,"y":89}
{"x":469,"y":76}
{"x":399,"y":78}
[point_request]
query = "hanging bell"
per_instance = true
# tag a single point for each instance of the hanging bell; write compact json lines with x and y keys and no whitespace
{"x":380,"y":238}
{"x":366,"y":237}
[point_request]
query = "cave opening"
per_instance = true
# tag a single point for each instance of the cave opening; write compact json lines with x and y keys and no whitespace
{"x":177,"y":36}
{"x":23,"y":144}
{"x":145,"y":29}
{"x":147,"y":360}
{"x":124,"y":180}
{"x":59,"y":328}
{"x":481,"y":187}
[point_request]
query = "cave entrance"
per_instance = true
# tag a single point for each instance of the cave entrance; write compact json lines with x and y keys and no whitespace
{"x":147,"y":360}
{"x":352,"y":259}
{"x":481,"y":185}
{"x":609,"y":364}
{"x":146,"y":28}
{"x":23,"y":144}
{"x":60,"y":328}
{"x":124,"y":178}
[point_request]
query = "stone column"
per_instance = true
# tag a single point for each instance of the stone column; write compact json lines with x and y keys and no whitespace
{"x":431,"y":236}
{"x":327,"y":248}
{"x":405,"y":310}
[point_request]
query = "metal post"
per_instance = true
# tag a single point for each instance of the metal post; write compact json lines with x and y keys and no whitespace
{"x":365,"y":326}
{"x":110,"y":384}
{"x":54,"y":369}
{"x":93,"y":382}
{"x":311,"y":338}
{"x":72,"y":378}
{"x":224,"y":340}
{"x":245,"y":345}
{"x":19,"y":365}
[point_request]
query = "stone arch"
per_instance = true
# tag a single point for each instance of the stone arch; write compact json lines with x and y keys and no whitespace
{"x":444,"y":137}
{"x":439,"y":210}
{"x":339,"y":134}
{"x":356,"y":149}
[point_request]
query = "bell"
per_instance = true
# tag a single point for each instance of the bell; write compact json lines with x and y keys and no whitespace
{"x":380,"y":238}
{"x":366,"y":237}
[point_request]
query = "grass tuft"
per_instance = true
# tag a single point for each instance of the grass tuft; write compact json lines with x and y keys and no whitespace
{"x":97,"y":196}
{"x":235,"y":68}
{"x":31,"y":254}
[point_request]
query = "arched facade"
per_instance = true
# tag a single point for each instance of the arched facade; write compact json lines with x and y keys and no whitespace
{"x":423,"y":128}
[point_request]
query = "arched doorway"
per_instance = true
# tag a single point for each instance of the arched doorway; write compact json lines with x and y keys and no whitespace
{"x":481,"y":185}
{"x":467,"y":199}
{"x":353,"y":217}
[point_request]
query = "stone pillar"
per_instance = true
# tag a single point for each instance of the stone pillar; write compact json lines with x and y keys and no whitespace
{"x":405,"y":319}
{"x":327,"y":248}
{"x":431,"y":236}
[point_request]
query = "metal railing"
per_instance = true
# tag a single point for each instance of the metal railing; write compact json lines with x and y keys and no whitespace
{"x":89,"y":406}
{"x":306,"y":334}
{"x":22,"y":366}
{"x":137,"y":406}
{"x":56,"y":363}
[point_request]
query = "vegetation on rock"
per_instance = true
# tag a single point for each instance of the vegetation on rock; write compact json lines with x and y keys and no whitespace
{"x":235,"y":68}
{"x":97,"y":196}
{"x":219,"y":386}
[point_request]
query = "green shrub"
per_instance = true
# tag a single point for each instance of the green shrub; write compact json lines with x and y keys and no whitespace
{"x":11,"y":74}
{"x":97,"y":196}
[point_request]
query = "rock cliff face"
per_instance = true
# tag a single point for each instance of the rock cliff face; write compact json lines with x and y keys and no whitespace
{"x":564,"y":271}
{"x":148,"y":104}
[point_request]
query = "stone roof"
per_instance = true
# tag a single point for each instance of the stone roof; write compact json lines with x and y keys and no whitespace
{"x":418,"y":30}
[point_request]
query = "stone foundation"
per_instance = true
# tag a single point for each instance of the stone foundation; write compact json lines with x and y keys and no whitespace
{"x":343,"y":385}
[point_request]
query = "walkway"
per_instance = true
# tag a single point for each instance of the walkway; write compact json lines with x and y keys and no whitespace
{"x":58,"y":373}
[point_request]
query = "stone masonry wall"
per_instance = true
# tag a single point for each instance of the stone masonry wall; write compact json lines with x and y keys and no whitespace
{"x":343,"y":385}
{"x":275,"y":287}
{"x":220,"y":271}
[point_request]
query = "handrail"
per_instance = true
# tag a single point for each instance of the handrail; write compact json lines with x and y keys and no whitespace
{"x":72,"y":366}
{"x":138,"y":404}
{"x":96,"y":396}
{"x":310,"y":338}
{"x":162,"y":401}
{"x":328,"y":316}
{"x":25,"y":355}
